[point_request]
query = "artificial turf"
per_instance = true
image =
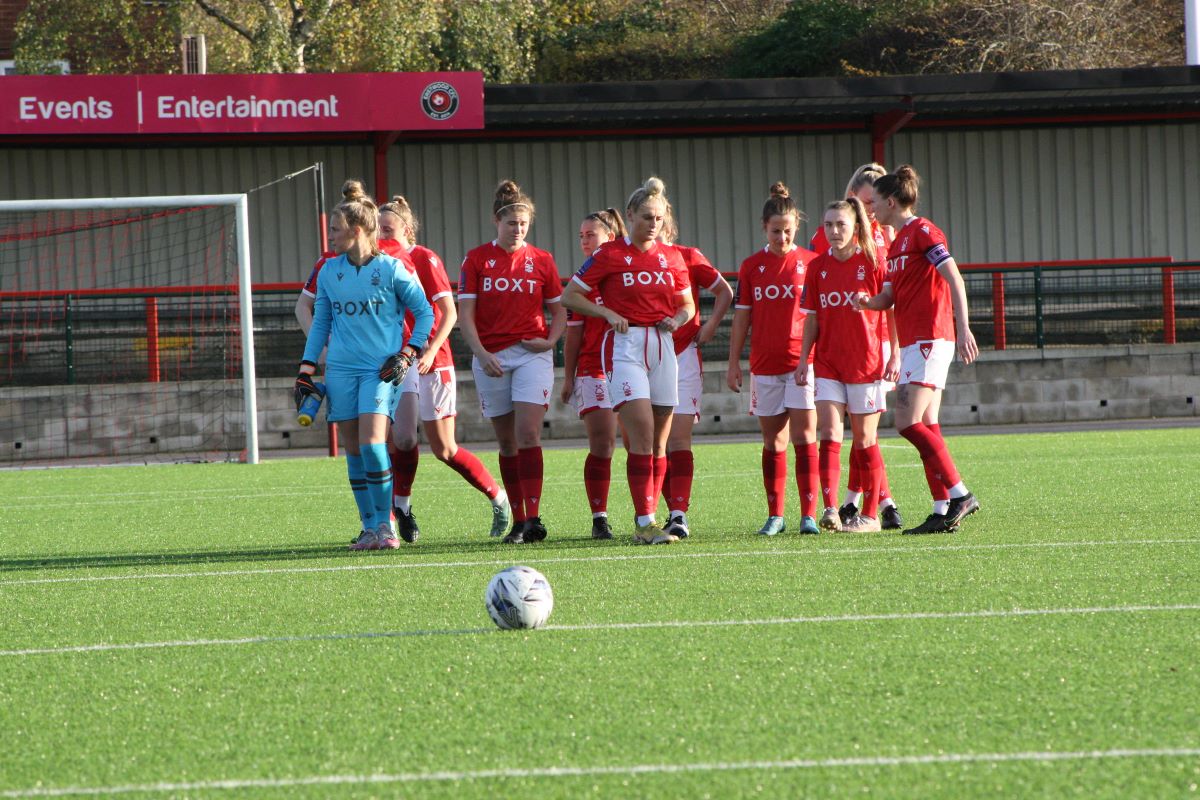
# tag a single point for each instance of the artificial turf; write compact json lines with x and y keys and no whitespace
{"x":238,"y":650}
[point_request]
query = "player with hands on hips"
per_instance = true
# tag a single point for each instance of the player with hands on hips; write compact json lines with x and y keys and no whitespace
{"x":848,"y":363}
{"x":504,"y":288}
{"x":930,"y":299}
{"x":361,"y":298}
{"x":770,"y":284}
{"x":429,"y":392}
{"x":584,"y":382}
{"x":647,"y":297}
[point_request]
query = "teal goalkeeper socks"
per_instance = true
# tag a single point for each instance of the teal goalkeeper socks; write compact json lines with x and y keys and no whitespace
{"x":358,"y":486}
{"x":378,"y":472}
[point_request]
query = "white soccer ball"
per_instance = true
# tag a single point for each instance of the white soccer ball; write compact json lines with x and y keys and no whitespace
{"x":519,"y":597}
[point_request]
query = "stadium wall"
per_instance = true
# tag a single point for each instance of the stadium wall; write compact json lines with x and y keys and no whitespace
{"x":1054,"y":385}
{"x":1001,"y":194}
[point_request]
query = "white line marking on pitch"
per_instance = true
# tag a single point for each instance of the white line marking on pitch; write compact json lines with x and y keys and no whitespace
{"x":529,"y":558}
{"x":629,"y":769}
{"x":902,"y":616}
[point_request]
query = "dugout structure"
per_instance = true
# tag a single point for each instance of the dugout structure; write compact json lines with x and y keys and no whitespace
{"x":119,"y":314}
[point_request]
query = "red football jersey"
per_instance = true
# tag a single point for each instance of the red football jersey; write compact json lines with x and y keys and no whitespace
{"x":510,"y":291}
{"x":847,"y":347}
{"x":701,"y":273}
{"x":310,"y":285}
{"x":770,"y":287}
{"x":643,"y":288}
{"x":923,"y":308}
{"x":431,"y":271}
{"x":589,"y":364}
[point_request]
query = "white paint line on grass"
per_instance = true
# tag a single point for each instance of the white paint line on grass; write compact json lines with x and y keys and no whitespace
{"x":1036,"y":756}
{"x":528,"y":557}
{"x":902,"y":616}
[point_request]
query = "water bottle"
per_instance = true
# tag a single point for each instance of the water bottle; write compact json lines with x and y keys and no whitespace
{"x":310,"y":406}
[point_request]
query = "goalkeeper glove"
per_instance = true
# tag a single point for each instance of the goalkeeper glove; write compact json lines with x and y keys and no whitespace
{"x":304,"y":384}
{"x":396,"y":367}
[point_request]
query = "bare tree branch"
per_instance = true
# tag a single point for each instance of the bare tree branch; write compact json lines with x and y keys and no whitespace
{"x":226,"y":20}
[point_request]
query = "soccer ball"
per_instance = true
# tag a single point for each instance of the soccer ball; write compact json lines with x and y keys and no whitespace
{"x":519,"y":597}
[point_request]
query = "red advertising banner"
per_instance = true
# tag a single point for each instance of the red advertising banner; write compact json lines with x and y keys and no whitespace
{"x":308,"y":103}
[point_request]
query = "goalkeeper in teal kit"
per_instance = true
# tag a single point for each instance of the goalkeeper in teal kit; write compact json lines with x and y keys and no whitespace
{"x":362,"y":297}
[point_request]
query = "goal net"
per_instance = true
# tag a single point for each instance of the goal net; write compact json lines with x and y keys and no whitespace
{"x":126,"y":331}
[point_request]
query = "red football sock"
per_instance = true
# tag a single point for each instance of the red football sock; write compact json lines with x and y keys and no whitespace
{"x":940,"y":472}
{"x":467,"y":464}
{"x":807,"y":478}
{"x":660,"y":477}
{"x":854,"y":482}
{"x":404,"y":470}
{"x":774,"y":468}
{"x":529,"y":462}
{"x":510,"y":473}
{"x":639,"y":469}
{"x":597,"y":479}
{"x":941,"y":492}
{"x":830,"y":468}
{"x":679,"y":480}
{"x":871,"y":463}
{"x":885,"y":491}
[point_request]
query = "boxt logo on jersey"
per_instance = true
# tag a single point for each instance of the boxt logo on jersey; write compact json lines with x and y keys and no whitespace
{"x":357,"y":308}
{"x":517,"y":285}
{"x":837,"y":299}
{"x":642,"y":278}
{"x":775,"y":291}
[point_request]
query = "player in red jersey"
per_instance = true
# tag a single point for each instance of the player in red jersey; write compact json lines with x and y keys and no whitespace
{"x":859,"y":186}
{"x":584,"y":382}
{"x":848,"y":363}
{"x":504,"y":288}
{"x":429,"y":392}
{"x":646,"y":298}
{"x":689,"y":338}
{"x":924,"y":285}
{"x":770,"y":284}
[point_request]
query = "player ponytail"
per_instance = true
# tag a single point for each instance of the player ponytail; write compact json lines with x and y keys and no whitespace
{"x":863,"y":236}
{"x":902,"y":185}
{"x":670,"y":228}
{"x":866,"y":175}
{"x":357,"y":209}
{"x":408,"y":220}
{"x":510,"y":199}
{"x":652,"y":189}
{"x":610,"y":220}
{"x":780,"y":204}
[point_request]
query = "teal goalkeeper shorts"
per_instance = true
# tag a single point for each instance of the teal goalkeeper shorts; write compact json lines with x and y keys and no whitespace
{"x":350,"y":395}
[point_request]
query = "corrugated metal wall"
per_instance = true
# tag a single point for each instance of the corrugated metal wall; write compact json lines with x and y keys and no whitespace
{"x":1060,"y":193}
{"x":1001,"y":195}
{"x":716,"y":184}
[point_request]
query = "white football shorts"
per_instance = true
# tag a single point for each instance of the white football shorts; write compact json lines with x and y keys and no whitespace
{"x":771,"y":395}
{"x":439,"y":394}
{"x":926,"y":363}
{"x":691,"y":382}
{"x":590,"y":394}
{"x":528,"y":378}
{"x":641,"y":365}
{"x":858,"y":398}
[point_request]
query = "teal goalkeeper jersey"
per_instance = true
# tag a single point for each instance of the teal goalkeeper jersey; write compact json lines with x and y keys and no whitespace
{"x":359,"y":312}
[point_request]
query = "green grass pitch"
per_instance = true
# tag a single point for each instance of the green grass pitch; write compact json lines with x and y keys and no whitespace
{"x":201,"y":631}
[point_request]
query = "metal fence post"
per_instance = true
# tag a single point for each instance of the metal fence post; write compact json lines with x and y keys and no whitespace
{"x":1168,"y":300}
{"x":70,"y":340}
{"x":1038,"y":308}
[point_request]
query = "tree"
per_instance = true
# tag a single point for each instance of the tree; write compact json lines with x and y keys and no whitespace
{"x":277,"y":35}
{"x":116,"y":36}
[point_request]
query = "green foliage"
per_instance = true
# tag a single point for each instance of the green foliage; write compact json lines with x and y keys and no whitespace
{"x":811,"y":38}
{"x":111,"y":37}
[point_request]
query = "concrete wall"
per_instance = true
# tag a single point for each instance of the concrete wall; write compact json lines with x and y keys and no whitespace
{"x":202,"y":420}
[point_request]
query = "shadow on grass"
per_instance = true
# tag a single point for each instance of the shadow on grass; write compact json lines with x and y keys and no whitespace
{"x":291,"y":553}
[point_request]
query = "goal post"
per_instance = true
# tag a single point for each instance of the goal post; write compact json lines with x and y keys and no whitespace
{"x":43,"y":234}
